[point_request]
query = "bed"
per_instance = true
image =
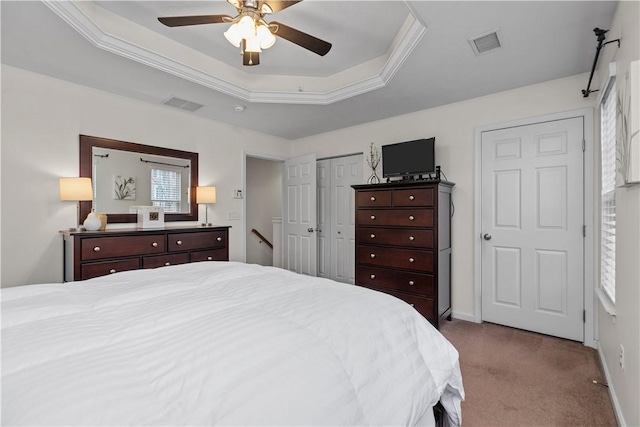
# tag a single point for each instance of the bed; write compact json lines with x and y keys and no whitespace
{"x":221,"y":343}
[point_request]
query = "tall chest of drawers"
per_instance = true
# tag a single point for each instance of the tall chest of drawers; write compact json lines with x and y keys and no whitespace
{"x":403,"y":243}
{"x":89,"y":254}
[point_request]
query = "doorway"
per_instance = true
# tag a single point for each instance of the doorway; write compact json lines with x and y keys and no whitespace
{"x":263,"y":206}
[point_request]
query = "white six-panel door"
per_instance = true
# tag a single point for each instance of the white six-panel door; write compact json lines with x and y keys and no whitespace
{"x":336,"y":216}
{"x":532,"y":227}
{"x":299,"y":215}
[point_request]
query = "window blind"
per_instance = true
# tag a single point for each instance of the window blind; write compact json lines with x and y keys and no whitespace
{"x":166,"y":189}
{"x":608,"y":195}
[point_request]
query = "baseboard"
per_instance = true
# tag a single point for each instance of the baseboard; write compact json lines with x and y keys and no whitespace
{"x":612,"y":391}
{"x":463,"y":316}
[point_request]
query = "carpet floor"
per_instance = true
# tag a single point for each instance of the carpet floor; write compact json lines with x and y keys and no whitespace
{"x":518,"y":378}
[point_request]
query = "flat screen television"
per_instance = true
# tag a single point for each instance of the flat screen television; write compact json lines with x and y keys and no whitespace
{"x":408,"y":158}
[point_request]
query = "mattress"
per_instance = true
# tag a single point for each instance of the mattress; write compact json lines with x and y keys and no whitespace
{"x":220,"y":343}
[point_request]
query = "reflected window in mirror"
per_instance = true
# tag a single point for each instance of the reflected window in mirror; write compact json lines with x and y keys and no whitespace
{"x":166,"y":189}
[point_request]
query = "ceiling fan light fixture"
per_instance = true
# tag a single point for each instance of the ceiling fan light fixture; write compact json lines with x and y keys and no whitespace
{"x":233,"y":35}
{"x":246,"y":27}
{"x":265,"y":36}
{"x":253,"y":45}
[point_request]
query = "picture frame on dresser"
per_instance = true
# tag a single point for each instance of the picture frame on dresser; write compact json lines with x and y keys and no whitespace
{"x":403,"y":243}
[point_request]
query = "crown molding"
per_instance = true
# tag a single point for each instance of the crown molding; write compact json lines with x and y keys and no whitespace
{"x":92,"y":23}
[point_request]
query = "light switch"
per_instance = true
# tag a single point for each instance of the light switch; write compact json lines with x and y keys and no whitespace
{"x":233,"y":216}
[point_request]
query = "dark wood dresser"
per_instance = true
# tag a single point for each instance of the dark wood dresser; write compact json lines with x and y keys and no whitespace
{"x":403,"y":243}
{"x":89,"y":254}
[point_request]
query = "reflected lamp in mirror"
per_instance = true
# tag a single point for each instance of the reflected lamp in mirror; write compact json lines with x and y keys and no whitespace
{"x":76,"y":190}
{"x":206,"y":196}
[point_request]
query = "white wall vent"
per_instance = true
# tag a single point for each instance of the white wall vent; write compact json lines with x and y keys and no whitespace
{"x":182,"y":104}
{"x":486,"y":42}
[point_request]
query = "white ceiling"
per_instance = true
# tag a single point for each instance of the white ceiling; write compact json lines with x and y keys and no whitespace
{"x":388,"y":57}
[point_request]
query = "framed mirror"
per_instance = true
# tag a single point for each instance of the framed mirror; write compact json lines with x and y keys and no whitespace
{"x":125,"y":175}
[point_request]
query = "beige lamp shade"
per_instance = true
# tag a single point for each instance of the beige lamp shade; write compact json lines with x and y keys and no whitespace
{"x":76,"y":189}
{"x":205,"y":195}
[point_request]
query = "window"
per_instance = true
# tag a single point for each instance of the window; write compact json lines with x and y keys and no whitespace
{"x":166,"y":189}
{"x":607,"y":191}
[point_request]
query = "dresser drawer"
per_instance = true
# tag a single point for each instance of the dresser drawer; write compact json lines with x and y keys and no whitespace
{"x":413,"y":197}
{"x":423,"y":305}
{"x":96,"y":269}
{"x":379,"y":198}
{"x":396,"y":217}
{"x":422,"y":284}
{"x":112,"y":247}
{"x":210,"y":255}
{"x":164,"y":260}
{"x":201,"y":240}
{"x":404,"y":259}
{"x":396,"y":237}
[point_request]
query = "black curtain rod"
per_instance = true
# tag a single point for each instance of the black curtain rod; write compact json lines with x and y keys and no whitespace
{"x":600,"y":34}
{"x":165,"y":164}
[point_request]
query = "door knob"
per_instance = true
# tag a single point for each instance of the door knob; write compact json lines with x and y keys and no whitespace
{"x":487,"y":236}
{"x":310,"y":229}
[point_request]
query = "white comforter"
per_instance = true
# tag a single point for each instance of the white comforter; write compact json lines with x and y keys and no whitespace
{"x":219,"y":344}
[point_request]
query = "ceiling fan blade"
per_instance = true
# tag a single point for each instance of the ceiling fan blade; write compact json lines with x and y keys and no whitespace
{"x":304,"y":40}
{"x":278,"y":5}
{"x":250,"y":58}
{"x":180,"y":21}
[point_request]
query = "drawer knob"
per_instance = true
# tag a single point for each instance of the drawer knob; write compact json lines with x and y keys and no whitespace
{"x":411,"y":260}
{"x":219,"y":239}
{"x":154,"y":244}
{"x":113,"y":270}
{"x":373,"y":236}
{"x":179,"y":242}
{"x":411,"y":217}
{"x":412,"y":238}
{"x":373,"y":198}
{"x":209,"y":258}
{"x":373,"y":276}
{"x":373,"y":217}
{"x":411,"y":283}
{"x":373,"y":255}
{"x":411,"y":198}
{"x":96,"y":249}
{"x":167,"y":263}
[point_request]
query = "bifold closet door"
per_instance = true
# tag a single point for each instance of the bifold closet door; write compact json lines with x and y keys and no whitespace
{"x":336,"y":216}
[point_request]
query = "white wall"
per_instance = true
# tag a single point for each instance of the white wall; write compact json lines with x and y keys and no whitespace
{"x":453,"y":126}
{"x":624,"y":328}
{"x":41,"y":120}
{"x":264,"y":201}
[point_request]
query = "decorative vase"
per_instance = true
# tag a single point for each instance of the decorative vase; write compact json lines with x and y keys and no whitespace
{"x":93,"y":222}
{"x":373,"y":161}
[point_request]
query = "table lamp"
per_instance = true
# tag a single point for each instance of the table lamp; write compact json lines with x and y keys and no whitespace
{"x":76,"y":190}
{"x":206,"y":196}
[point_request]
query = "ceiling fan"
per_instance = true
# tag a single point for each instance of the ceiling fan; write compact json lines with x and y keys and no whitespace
{"x":249,"y":30}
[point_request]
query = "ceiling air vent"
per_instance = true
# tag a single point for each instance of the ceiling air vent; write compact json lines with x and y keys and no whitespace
{"x":182,"y":104}
{"x":486,"y":42}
